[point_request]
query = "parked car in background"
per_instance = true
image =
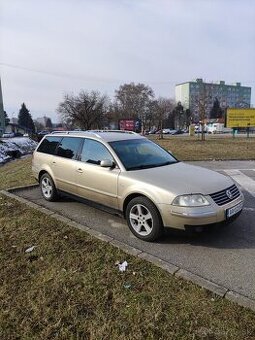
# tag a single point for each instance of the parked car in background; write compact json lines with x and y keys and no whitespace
{"x":169,"y":131}
{"x":135,"y":176}
{"x":41,"y":134}
{"x":8,"y":135}
{"x":198,"y":129}
{"x":178,"y":132}
{"x":18,"y":134}
{"x":152,"y":131}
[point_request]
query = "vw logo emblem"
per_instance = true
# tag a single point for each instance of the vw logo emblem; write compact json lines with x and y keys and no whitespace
{"x":229,"y":194}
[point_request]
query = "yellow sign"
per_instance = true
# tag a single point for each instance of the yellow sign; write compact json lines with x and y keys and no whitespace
{"x":192,"y":130}
{"x":240,"y":118}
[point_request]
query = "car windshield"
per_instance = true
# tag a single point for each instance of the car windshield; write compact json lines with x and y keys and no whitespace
{"x":137,"y":154}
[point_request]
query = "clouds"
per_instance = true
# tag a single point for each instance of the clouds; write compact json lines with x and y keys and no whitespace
{"x":101,"y":44}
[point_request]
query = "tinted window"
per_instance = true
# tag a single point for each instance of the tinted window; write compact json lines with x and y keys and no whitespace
{"x":69,"y":147}
{"x":137,"y":154}
{"x":93,"y":152}
{"x":49,"y":145}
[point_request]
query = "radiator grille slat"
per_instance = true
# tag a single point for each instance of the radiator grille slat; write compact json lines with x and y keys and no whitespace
{"x":225,"y":196}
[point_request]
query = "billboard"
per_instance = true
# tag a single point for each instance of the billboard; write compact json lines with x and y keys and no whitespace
{"x":130,"y":125}
{"x":240,"y":118}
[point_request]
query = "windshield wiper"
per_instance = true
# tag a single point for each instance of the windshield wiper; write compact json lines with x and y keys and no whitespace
{"x":167,"y":163}
{"x":147,"y":166}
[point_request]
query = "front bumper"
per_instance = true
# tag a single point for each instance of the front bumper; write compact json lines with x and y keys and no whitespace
{"x":179,"y":217}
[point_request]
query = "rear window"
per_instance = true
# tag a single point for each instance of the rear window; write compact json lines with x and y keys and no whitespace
{"x":49,"y":145}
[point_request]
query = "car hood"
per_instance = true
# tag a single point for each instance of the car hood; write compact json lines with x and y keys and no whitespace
{"x":181,"y":178}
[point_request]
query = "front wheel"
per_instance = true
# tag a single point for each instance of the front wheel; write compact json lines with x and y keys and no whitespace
{"x":143,"y":219}
{"x":48,"y":188}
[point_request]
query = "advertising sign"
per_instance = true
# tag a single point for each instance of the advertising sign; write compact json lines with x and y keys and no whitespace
{"x":240,"y":118}
{"x":130,"y":125}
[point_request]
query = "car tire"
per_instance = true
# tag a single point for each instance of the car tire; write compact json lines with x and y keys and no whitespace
{"x":143,"y":219}
{"x":48,"y":188}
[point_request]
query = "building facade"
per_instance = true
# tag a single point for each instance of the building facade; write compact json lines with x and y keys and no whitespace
{"x":43,"y":121}
{"x":2,"y":117}
{"x":194,"y":93}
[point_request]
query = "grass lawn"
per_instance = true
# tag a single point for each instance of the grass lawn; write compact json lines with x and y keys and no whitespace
{"x":69,"y":287}
{"x":214,"y":147}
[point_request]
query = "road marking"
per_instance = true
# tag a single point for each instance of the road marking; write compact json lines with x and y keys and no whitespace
{"x":245,"y":181}
{"x":232,"y":169}
{"x":248,"y":209}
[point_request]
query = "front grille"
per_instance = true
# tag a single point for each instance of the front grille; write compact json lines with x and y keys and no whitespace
{"x":225,"y":196}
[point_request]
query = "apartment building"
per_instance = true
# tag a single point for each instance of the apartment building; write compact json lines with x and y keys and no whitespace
{"x":192,"y":93}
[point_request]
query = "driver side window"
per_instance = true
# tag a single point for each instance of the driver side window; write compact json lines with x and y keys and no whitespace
{"x":93,"y":152}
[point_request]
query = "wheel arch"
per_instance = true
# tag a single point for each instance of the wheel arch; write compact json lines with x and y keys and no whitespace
{"x":42,"y":172}
{"x":134,"y":195}
{"x":45,"y":171}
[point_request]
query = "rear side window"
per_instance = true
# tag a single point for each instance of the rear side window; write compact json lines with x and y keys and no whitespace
{"x":69,"y":147}
{"x":49,"y":145}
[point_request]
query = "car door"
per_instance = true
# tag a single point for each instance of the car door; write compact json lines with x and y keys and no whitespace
{"x":64,"y":164}
{"x":93,"y":181}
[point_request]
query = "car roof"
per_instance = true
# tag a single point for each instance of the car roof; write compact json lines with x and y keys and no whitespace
{"x":106,"y":135}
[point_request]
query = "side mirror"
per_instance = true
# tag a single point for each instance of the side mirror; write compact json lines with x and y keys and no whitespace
{"x":107,"y":163}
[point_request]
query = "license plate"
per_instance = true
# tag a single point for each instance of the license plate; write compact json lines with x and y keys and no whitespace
{"x":232,"y":211}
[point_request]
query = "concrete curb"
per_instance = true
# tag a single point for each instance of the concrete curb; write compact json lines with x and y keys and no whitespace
{"x":200,"y":281}
{"x":174,"y":270}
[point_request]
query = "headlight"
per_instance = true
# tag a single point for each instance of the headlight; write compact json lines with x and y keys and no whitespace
{"x":196,"y":200}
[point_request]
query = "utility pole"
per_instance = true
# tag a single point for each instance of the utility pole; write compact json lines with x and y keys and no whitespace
{"x":2,"y":116}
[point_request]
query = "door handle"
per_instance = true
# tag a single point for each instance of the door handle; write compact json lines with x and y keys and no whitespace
{"x":79,"y":170}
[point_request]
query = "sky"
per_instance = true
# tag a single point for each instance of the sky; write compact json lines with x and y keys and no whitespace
{"x":53,"y":47}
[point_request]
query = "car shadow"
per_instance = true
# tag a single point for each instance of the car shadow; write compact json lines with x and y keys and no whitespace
{"x":239,"y":234}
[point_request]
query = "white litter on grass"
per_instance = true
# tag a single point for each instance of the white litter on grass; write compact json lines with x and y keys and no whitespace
{"x":123,"y":266}
{"x":28,"y":250}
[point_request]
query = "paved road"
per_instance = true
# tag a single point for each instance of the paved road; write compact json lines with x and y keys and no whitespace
{"x":225,"y":256}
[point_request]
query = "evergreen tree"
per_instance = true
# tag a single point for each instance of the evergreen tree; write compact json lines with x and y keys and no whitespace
{"x":7,"y":119}
{"x":216,"y":111}
{"x":178,"y":116}
{"x":25,"y":119}
{"x":48,"y":123}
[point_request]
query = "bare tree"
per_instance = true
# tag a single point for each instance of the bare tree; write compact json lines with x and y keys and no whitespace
{"x":86,"y":110}
{"x":164,"y":108}
{"x":201,"y":103}
{"x":133,"y":101}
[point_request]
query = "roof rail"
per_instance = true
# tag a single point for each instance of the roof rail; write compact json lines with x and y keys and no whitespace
{"x":70,"y":131}
{"x":95,"y":132}
{"x":118,"y":131}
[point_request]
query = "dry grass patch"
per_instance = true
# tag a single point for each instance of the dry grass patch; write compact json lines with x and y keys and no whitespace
{"x":213,"y":148}
{"x":16,"y":173}
{"x":69,"y":287}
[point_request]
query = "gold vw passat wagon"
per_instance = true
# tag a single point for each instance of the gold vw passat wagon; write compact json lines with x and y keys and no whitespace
{"x":137,"y":177}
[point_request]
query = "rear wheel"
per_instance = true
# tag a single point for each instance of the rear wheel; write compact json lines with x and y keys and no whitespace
{"x":143,"y":219}
{"x":48,"y":188}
